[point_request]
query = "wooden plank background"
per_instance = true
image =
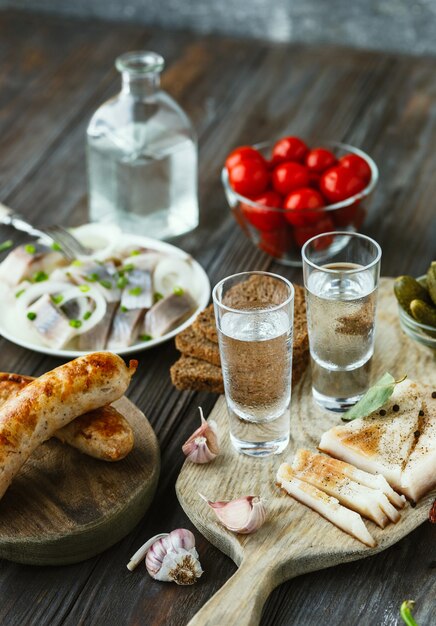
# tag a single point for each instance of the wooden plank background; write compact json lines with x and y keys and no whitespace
{"x":54,"y":73}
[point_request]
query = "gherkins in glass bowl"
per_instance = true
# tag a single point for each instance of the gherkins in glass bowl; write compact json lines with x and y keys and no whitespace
{"x":417,"y":306}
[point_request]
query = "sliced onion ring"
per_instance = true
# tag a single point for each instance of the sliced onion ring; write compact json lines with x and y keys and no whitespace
{"x":174,"y":272}
{"x":68,"y":292}
{"x":102,"y":238}
{"x":74,"y":293}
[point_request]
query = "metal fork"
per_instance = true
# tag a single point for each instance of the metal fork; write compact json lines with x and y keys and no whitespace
{"x":55,"y":235}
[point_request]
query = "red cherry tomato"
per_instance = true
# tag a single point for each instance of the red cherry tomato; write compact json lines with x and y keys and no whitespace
{"x":265,"y":219}
{"x":277,"y":242}
{"x":289,"y":149}
{"x":325,"y":225}
{"x":357,"y":165}
{"x":244,"y":153}
{"x":249,"y":178}
{"x":314,"y":180}
{"x":289,"y":176}
{"x":339,"y":183}
{"x":302,"y":205}
{"x":320,"y":159}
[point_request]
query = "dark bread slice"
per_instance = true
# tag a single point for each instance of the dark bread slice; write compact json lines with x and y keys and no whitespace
{"x":189,"y":373}
{"x":204,"y":324}
{"x":248,"y":291}
{"x":199,"y":342}
{"x":191,"y":343}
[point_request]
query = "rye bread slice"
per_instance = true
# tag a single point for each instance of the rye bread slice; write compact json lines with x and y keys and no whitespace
{"x":204,"y":324}
{"x":199,"y":343}
{"x":191,"y":343}
{"x":193,"y":374}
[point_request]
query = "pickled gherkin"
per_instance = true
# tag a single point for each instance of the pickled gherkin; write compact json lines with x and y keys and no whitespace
{"x":423,"y":312}
{"x":431,"y":281}
{"x":406,"y":289}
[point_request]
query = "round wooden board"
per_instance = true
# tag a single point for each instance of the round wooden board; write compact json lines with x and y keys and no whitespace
{"x":65,"y":507}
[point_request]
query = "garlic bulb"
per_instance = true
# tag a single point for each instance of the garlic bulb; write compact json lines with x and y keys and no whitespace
{"x":243,"y":516}
{"x":202,"y":446}
{"x":170,"y":557}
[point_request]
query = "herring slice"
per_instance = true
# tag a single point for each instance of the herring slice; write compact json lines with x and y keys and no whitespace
{"x":327,"y":506}
{"x":380,"y":443}
{"x":369,"y":502}
{"x":419,"y":475}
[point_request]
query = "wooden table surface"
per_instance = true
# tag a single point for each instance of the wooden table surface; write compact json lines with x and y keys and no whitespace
{"x":54,"y":73}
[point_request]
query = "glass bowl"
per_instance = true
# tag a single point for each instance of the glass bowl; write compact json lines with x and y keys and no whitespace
{"x":415,"y":330}
{"x":280,"y":239}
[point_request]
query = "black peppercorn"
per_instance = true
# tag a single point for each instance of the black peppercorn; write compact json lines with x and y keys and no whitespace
{"x":421,"y":413}
{"x":433,"y":394}
{"x":416,"y":433}
{"x":395,"y":408}
{"x":382,"y":412}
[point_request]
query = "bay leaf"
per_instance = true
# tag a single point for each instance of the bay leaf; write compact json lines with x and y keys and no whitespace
{"x":374,"y":398}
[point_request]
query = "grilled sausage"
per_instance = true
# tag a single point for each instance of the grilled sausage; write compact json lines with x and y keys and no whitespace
{"x":50,"y":402}
{"x":103,"y":434}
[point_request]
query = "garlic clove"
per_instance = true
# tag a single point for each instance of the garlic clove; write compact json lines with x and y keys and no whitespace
{"x":142,"y":552}
{"x":243,"y":515}
{"x":202,"y":446}
{"x":170,"y":557}
{"x":182,"y":567}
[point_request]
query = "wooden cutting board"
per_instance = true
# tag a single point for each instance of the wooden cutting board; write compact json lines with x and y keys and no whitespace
{"x":294,"y":540}
{"x":65,"y":507}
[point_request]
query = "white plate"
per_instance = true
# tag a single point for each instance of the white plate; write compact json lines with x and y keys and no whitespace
{"x":8,"y":321}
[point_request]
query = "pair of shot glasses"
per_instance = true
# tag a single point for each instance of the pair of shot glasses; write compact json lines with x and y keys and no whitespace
{"x":255,"y":332}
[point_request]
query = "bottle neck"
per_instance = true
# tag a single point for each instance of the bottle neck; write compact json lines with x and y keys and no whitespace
{"x":139,"y":87}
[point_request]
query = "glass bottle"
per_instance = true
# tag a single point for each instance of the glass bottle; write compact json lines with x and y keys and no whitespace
{"x":142,"y":155}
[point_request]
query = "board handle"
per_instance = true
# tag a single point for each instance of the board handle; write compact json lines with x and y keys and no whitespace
{"x":240,"y":601}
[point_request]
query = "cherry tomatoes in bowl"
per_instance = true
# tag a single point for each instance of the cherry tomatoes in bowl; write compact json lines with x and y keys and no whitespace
{"x":249,"y":178}
{"x":320,"y":159}
{"x":263,"y":218}
{"x":244,"y":153}
{"x":289,"y":176}
{"x":339,"y":183}
{"x":301,"y":205}
{"x":289,"y":149}
{"x":357,"y":165}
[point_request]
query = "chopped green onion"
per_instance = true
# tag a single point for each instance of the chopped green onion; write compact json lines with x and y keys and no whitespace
{"x":30,"y":248}
{"x":75,"y":323}
{"x":19,"y":293}
{"x":56,"y":247}
{"x":31,"y":316}
{"x":122,"y":282}
{"x":406,"y":612}
{"x":145,"y":337}
{"x":39,"y":277}
{"x":106,"y":284}
{"x":128,"y":268}
{"x":135,"y":252}
{"x":84,"y":288}
{"x":124,"y":309}
{"x":92,"y":278}
{"x":6,"y":245}
{"x":136,"y":291}
{"x":158,"y":296}
{"x":77,"y":263}
{"x":178,"y":291}
{"x":57,"y":299}
{"x":87,"y":315}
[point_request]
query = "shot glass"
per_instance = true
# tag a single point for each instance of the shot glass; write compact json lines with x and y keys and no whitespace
{"x":254,"y":314}
{"x":341,"y":275}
